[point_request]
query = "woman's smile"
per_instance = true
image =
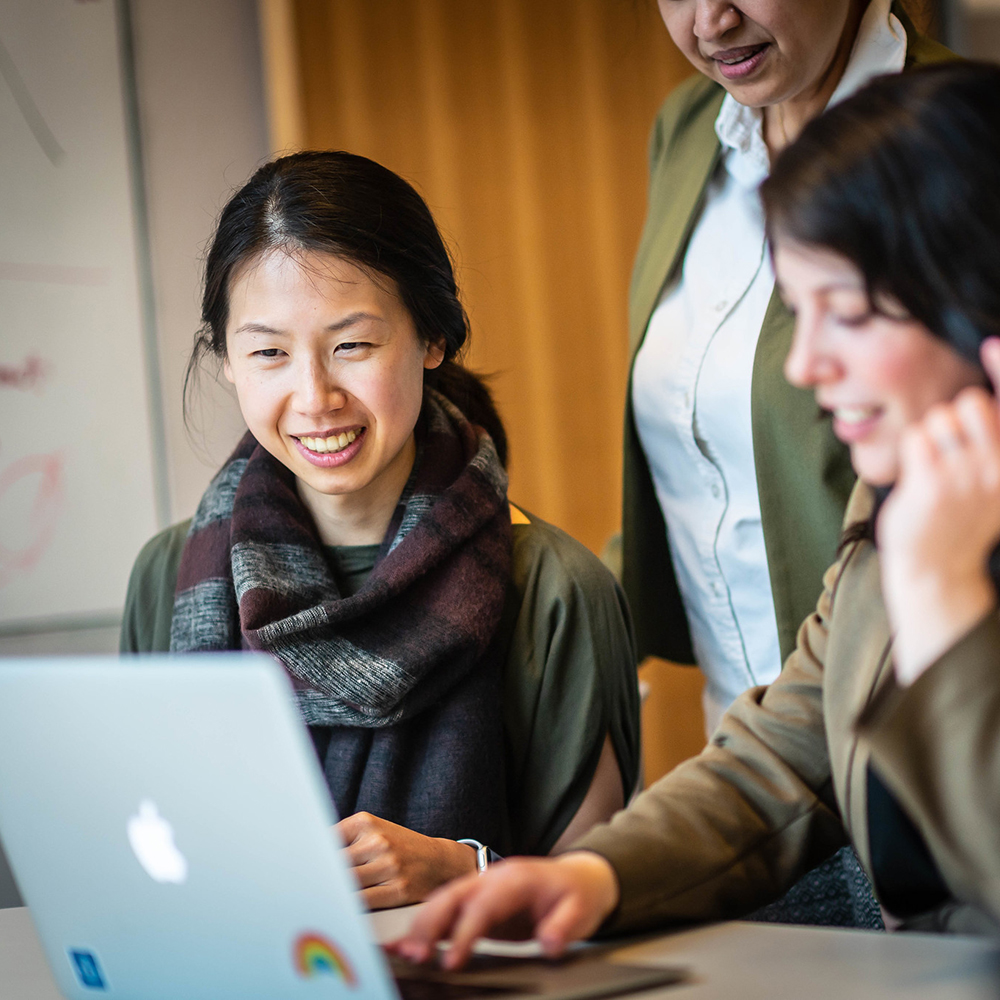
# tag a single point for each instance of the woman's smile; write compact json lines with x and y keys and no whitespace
{"x":330,"y":448}
{"x":739,"y":63}
{"x":855,"y":423}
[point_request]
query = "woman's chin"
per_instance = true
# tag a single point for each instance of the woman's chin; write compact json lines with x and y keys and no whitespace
{"x":874,"y":470}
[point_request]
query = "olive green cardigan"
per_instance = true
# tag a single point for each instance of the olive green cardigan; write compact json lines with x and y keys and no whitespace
{"x":570,"y":677}
{"x":804,"y":475}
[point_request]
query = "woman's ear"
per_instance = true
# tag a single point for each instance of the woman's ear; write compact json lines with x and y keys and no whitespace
{"x":227,"y":371}
{"x":434,"y":354}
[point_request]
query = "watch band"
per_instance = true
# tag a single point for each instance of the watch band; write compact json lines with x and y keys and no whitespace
{"x":484,"y":856}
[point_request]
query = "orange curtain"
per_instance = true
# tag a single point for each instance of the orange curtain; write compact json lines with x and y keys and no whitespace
{"x":524,"y":124}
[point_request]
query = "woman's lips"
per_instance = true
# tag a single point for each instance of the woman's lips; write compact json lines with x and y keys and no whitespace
{"x":330,"y":459}
{"x":735,"y":64}
{"x":853,"y":424}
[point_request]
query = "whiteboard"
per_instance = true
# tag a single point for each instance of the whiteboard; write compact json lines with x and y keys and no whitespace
{"x":77,"y":490}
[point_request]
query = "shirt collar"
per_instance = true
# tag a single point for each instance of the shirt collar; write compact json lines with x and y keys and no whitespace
{"x":879,"y":48}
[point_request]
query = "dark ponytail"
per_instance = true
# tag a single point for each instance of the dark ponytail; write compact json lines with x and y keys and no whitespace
{"x":355,"y":209}
{"x":470,"y":394}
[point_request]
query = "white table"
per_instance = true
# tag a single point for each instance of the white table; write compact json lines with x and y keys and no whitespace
{"x":731,"y":961}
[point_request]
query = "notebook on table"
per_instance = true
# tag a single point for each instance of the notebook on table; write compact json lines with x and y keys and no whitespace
{"x":170,"y":832}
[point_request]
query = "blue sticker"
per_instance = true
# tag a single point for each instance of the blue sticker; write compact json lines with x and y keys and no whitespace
{"x":87,"y":969}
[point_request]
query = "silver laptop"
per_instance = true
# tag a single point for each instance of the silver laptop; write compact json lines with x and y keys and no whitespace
{"x":169,"y":829}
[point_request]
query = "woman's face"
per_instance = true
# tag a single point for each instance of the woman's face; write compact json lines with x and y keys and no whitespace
{"x":876,"y":373}
{"x":763,"y":52}
{"x":329,"y":371}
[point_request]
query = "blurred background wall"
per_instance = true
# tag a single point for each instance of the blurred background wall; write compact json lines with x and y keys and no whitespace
{"x":974,"y":27}
{"x":193,"y":88}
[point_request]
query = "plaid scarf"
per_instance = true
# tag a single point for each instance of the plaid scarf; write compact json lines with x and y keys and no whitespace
{"x":253,"y":574}
{"x":399,"y":683}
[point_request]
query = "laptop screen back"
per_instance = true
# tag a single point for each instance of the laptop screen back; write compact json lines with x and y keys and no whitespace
{"x":170,"y":831}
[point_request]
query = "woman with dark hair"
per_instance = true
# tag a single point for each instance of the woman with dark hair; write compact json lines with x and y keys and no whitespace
{"x":466,"y":671}
{"x":882,"y":729}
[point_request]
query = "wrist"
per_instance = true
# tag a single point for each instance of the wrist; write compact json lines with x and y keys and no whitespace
{"x":462,"y":857}
{"x":933,"y":615}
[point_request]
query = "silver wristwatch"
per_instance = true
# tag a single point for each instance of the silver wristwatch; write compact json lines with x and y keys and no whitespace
{"x":484,"y":856}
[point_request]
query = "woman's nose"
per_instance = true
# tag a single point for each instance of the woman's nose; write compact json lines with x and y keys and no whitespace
{"x":713,"y":18}
{"x":809,"y":362}
{"x":316,"y":390}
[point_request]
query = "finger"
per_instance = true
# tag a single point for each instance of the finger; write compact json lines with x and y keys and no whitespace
{"x":945,"y":431}
{"x":352,"y":827}
{"x":368,"y":848}
{"x":981,"y":425}
{"x":435,"y":920}
{"x":379,"y":870}
{"x":383,"y":897}
{"x":989,"y":353}
{"x":918,"y":453}
{"x":493,"y":902}
{"x":567,"y":922}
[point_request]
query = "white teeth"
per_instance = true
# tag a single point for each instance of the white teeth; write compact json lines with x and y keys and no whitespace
{"x":854,"y":415}
{"x":334,"y":443}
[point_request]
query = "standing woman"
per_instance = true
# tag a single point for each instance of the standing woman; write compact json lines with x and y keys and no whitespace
{"x":734,"y":492}
{"x":466,"y":671}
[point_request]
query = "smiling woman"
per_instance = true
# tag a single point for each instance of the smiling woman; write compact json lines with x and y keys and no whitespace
{"x":466,"y":670}
{"x":874,"y":368}
{"x":329,"y":369}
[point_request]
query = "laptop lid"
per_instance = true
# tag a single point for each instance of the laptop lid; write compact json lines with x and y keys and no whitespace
{"x":170,"y":832}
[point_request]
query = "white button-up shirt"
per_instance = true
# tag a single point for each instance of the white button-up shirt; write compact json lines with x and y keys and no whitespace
{"x":691,"y":395}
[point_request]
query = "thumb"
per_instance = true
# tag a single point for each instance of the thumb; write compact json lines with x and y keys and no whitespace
{"x":989,"y":352}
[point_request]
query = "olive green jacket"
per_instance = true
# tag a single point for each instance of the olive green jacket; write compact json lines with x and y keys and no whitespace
{"x":570,"y":678}
{"x":783,"y":783}
{"x":804,"y":474}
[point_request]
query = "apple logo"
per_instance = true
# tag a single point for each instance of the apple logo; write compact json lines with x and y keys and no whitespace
{"x":152,"y":840}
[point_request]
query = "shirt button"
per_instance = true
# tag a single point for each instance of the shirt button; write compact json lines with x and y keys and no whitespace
{"x":716,"y":491}
{"x":721,"y":306}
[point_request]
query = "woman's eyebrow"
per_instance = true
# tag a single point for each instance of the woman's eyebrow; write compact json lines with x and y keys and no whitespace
{"x":351,"y":318}
{"x":255,"y":328}
{"x":842,"y":285}
{"x":341,"y":324}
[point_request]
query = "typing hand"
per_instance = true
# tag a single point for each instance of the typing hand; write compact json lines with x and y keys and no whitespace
{"x":938,"y":527}
{"x":397,"y":866}
{"x":557,"y":900}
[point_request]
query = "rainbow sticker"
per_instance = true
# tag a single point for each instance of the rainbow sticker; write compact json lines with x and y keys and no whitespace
{"x":316,"y":955}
